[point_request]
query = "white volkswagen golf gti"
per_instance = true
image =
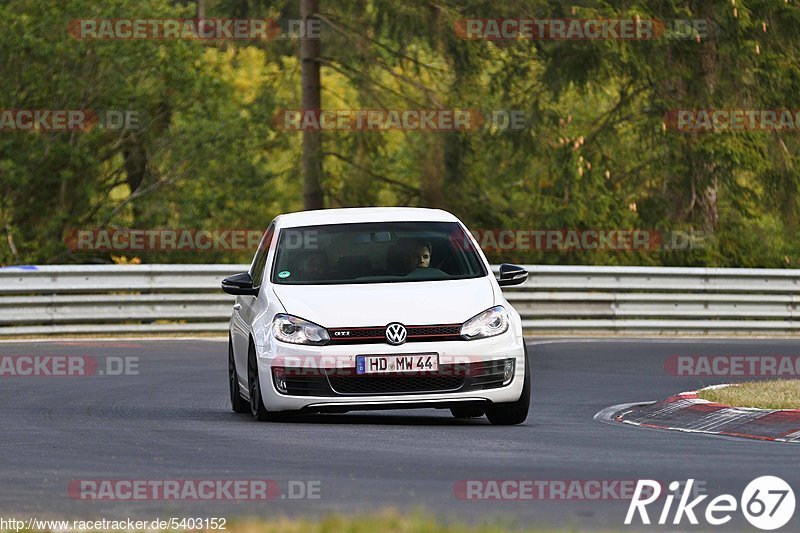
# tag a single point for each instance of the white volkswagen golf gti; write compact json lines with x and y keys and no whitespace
{"x":375,"y":308}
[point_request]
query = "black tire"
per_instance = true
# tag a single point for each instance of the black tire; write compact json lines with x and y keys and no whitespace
{"x":507,"y":414}
{"x":237,"y":402}
{"x":257,"y":408}
{"x":467,"y":411}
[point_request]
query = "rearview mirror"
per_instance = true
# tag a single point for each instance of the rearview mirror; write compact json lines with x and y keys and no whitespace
{"x":511,"y":275}
{"x":239,"y":284}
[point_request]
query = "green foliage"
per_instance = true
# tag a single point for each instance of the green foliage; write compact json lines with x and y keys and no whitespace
{"x":595,"y":152}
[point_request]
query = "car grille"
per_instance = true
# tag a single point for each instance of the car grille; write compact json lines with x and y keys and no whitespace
{"x":377,"y":334}
{"x":345,"y":382}
{"x":395,"y":384}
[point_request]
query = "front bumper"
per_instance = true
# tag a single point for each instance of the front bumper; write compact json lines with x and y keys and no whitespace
{"x":330,"y":383}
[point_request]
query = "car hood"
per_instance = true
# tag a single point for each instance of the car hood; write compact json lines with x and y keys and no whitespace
{"x":378,"y":304}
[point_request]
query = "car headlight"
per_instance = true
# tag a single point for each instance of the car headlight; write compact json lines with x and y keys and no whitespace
{"x":288,"y":328}
{"x":491,"y":322}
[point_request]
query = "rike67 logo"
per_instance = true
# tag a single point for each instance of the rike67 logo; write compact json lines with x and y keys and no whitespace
{"x":767,"y":503}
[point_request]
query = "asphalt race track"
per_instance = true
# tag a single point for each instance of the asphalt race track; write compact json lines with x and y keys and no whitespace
{"x":172,"y":421}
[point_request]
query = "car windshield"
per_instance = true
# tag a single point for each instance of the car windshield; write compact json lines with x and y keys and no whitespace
{"x":375,"y":252}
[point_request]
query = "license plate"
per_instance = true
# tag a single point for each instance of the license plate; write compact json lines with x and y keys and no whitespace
{"x":384,"y":364}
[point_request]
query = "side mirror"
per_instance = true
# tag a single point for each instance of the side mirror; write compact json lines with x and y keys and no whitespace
{"x":511,"y":275}
{"x":239,"y":284}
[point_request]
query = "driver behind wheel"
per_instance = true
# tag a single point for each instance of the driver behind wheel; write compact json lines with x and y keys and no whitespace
{"x":418,"y":255}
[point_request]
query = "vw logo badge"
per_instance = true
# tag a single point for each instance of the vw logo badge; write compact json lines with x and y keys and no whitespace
{"x":395,"y":333}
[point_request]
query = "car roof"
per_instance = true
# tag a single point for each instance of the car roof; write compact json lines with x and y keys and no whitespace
{"x":363,"y":214}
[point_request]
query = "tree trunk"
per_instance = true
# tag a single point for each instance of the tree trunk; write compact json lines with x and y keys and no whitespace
{"x":312,"y":140}
{"x":432,"y":170}
{"x":135,"y":164}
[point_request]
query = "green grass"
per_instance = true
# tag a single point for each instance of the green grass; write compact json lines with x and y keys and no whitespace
{"x":772,"y":394}
{"x":387,"y":521}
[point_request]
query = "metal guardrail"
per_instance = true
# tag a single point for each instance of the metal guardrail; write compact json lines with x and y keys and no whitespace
{"x":555,"y":299}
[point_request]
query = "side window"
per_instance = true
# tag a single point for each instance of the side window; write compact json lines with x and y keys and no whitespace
{"x":260,"y":260}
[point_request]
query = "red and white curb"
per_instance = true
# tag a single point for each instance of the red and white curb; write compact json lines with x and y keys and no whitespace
{"x":687,"y":413}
